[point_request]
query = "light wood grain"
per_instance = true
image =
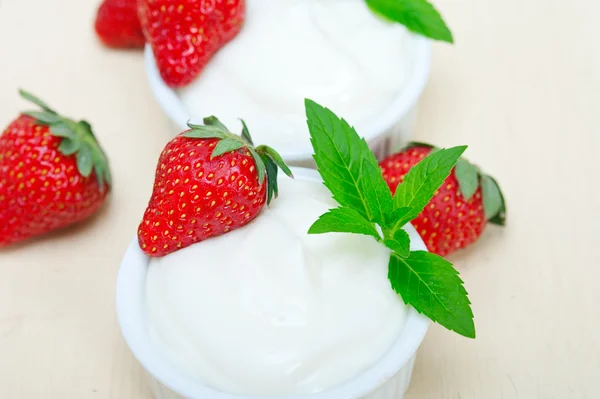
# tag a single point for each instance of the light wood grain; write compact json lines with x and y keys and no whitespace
{"x":521,"y":87}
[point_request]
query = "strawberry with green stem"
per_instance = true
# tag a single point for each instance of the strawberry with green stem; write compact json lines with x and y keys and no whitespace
{"x":459,"y":211}
{"x":53,"y":173}
{"x":208,"y":181}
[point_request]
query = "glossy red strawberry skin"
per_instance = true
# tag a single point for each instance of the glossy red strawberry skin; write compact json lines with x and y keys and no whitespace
{"x":185,"y":35}
{"x":196,"y":197}
{"x":40,"y":189}
{"x":448,"y":222}
{"x":118,"y":26}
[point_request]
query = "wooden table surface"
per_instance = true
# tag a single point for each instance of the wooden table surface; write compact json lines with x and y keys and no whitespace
{"x":521,"y":87}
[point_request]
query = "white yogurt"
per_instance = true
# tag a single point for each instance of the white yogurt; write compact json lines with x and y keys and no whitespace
{"x":270,"y":310}
{"x":336,"y":52}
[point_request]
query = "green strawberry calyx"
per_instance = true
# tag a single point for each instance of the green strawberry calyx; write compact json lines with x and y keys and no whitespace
{"x":267,"y":160}
{"x":77,"y":138}
{"x":470,"y":177}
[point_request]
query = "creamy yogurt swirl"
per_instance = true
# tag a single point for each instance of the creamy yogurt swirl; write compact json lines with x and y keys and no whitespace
{"x":336,"y":52}
{"x":270,"y":310}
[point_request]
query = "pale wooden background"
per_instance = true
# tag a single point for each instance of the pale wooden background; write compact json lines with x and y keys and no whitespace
{"x":521,"y":87}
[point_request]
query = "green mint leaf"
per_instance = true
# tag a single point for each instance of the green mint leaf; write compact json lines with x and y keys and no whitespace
{"x":424,"y":179}
{"x":31,"y":98}
{"x":46,"y":118}
{"x":399,"y":243}
{"x":205,"y":132}
{"x":493,"y":200}
{"x":246,"y":133}
{"x":401,"y":216}
{"x":432,"y":286}
{"x":344,"y":220}
{"x":338,"y":154}
{"x":418,"y":16}
{"x":468,"y":178}
{"x":215,"y":122}
{"x":377,"y":193}
{"x":226,"y":145}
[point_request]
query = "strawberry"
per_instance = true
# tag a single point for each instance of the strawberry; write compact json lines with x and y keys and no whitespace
{"x":185,"y":35}
{"x":117,"y":24}
{"x":459,"y":211}
{"x":53,"y":173}
{"x":208,"y":182}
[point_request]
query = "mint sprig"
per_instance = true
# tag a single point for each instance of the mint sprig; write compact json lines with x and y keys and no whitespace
{"x":418,"y":16}
{"x":350,"y":171}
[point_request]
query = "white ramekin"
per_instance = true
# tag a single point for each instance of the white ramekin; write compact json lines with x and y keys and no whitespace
{"x":387,"y":379}
{"x":391,"y":128}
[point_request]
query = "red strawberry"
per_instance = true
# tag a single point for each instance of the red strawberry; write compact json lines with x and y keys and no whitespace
{"x":185,"y":35}
{"x":458,"y":213}
{"x":208,"y":182}
{"x":53,"y":173}
{"x":117,"y":24}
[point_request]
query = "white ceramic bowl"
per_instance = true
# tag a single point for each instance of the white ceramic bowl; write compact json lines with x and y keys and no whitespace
{"x":391,"y":128}
{"x":387,"y":379}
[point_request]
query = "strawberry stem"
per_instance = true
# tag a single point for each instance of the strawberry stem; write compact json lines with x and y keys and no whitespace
{"x":470,"y":178}
{"x":31,"y":98}
{"x":267,"y":160}
{"x":246,"y":133}
{"x":77,"y":139}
